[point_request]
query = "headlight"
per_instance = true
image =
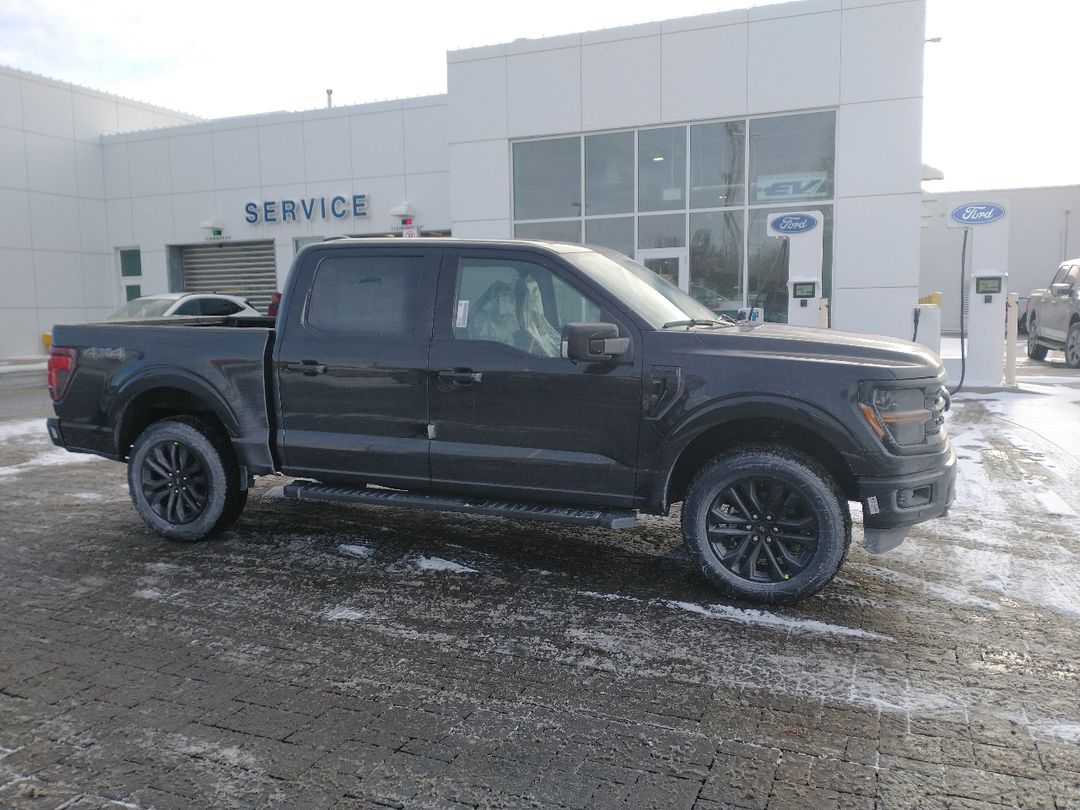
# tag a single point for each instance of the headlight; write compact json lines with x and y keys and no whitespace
{"x":899,"y":413}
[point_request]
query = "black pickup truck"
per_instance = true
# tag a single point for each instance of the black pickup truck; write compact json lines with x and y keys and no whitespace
{"x":531,"y":380}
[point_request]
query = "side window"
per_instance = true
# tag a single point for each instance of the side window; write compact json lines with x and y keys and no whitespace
{"x":370,"y":295}
{"x":219,"y":306}
{"x":1059,"y":276}
{"x":1073,"y":274}
{"x":193,"y":306}
{"x":520,"y":304}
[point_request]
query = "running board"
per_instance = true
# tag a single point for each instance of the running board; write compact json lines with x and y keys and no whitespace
{"x":577,"y":515}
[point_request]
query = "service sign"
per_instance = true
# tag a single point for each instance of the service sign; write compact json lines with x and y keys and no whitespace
{"x":306,"y":209}
{"x":794,"y":223}
{"x":977,"y":213}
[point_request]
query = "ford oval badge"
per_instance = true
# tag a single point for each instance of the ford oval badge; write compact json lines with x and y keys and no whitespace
{"x":977,"y":213}
{"x":794,"y":223}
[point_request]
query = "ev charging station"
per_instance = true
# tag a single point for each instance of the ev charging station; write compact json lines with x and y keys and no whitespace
{"x":987,"y":285}
{"x":801,"y":229}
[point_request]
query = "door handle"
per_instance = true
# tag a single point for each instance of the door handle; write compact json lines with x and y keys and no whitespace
{"x":309,"y":368}
{"x":461,"y":376}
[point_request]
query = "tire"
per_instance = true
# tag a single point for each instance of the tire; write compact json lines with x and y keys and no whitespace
{"x":1072,"y":346}
{"x":801,"y":512}
{"x":1035,"y":350}
{"x":184,"y":479}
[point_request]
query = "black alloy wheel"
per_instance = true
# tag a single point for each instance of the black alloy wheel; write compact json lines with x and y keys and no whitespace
{"x":766,"y":523}
{"x":763,"y":529}
{"x":1035,"y":350}
{"x":174,"y":482}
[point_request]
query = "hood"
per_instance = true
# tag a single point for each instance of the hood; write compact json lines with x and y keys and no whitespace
{"x":878,"y":356}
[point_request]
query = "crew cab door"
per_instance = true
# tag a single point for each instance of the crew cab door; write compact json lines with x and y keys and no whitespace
{"x":351,"y":366}
{"x":1059,"y":307}
{"x":511,"y":417}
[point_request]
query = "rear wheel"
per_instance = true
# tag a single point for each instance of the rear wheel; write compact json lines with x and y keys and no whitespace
{"x":184,"y":479}
{"x":1035,"y":350}
{"x":766,"y":524}
{"x":1072,"y":346}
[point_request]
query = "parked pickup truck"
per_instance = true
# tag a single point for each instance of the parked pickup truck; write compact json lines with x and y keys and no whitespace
{"x":530,"y":380}
{"x":1054,"y":316}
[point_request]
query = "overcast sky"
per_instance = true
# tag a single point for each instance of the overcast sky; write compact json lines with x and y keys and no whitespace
{"x":1001,"y":106}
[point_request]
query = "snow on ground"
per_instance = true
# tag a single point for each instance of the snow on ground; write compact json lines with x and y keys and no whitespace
{"x":22,"y":428}
{"x":356,"y":551}
{"x":439,"y":564}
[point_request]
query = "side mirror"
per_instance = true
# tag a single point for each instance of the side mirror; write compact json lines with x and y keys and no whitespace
{"x":592,"y":342}
{"x":1060,"y":288}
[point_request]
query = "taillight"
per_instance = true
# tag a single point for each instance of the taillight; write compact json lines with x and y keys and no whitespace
{"x":62,"y":363}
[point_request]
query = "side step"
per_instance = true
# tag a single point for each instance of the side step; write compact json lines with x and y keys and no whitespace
{"x":578,"y":515}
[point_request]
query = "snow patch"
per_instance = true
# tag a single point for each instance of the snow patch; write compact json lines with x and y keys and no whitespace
{"x":356,"y":551}
{"x":346,"y":614}
{"x":1054,"y":504}
{"x":162,"y":567}
{"x":439,"y":564}
{"x":761,"y":617}
{"x":1070,"y":732}
{"x":53,"y":458}
{"x":149,"y":593}
{"x":26,"y":427}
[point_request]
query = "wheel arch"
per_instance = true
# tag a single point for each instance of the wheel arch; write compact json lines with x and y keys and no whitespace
{"x":775,"y":424}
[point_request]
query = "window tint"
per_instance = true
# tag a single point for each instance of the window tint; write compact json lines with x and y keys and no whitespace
{"x":791,"y":157}
{"x":520,"y":304}
{"x":547,"y":179}
{"x":1072,"y":275}
{"x":193,"y":306}
{"x":662,"y":169}
{"x":219,"y":306}
{"x":1059,"y":276}
{"x":370,"y":295}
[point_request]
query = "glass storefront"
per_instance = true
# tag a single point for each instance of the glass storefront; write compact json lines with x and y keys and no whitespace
{"x":704,"y":190}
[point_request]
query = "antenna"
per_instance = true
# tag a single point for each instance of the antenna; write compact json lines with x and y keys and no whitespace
{"x":329,"y":98}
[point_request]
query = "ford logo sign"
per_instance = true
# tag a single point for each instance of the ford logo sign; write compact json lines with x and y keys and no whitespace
{"x":977,"y":213}
{"x":794,"y":223}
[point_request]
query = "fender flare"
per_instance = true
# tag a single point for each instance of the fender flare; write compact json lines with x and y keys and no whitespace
{"x":799,"y":413}
{"x":151,"y":378}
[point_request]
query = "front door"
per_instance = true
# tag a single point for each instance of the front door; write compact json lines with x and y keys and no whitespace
{"x":512,"y":418}
{"x":671,"y":264}
{"x":351,"y":366}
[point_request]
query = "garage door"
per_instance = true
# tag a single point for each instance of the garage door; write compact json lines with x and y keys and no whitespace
{"x":247,"y":269}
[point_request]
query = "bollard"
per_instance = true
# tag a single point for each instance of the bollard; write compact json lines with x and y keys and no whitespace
{"x":1012,"y":306}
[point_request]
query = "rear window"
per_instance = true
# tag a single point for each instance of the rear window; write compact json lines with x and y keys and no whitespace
{"x":142,"y":308}
{"x":370,"y":295}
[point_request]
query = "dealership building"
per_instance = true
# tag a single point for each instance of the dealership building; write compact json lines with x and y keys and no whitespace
{"x":669,"y":141}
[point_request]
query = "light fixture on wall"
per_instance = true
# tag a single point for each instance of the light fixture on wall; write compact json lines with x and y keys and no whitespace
{"x":215,"y":225}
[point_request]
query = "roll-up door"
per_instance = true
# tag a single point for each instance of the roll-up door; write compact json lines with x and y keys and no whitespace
{"x":247,"y":269}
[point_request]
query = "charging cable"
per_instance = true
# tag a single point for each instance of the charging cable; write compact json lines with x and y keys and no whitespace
{"x":963,"y":325}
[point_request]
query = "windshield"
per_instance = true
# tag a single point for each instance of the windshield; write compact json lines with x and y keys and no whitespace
{"x":141,"y":308}
{"x":655,"y":299}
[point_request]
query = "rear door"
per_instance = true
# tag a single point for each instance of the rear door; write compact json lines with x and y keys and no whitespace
{"x":511,"y":417}
{"x":351,"y":366}
{"x":1057,"y":306}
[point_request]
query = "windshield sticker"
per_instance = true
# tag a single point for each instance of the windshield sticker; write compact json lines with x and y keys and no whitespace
{"x":462,"y":319}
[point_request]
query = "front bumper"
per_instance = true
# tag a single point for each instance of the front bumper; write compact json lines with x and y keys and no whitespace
{"x":904,"y":500}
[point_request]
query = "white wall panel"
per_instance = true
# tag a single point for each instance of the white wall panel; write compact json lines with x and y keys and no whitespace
{"x":46,"y":109}
{"x":188,"y":210}
{"x":229,"y":205}
{"x":148,"y":161}
{"x":16,"y":280}
{"x":152,"y":219}
{"x":54,"y":221}
{"x":100,"y":281}
{"x":93,"y":227}
{"x":484,"y":229}
{"x":793,"y":9}
{"x":191,"y":160}
{"x":133,"y":118}
{"x":118,"y":219}
{"x":19,"y":335}
{"x":59,"y":280}
{"x":326,"y":149}
{"x":281,"y":153}
{"x":880,"y":311}
{"x":430,"y":194}
{"x":48,"y":318}
{"x":477,"y":95}
{"x":704,"y":73}
{"x":794,"y":63}
{"x":879,"y":148}
{"x":882,"y":50}
{"x":620,"y":83}
{"x":50,"y":164}
{"x":480,"y":184}
{"x":544,"y":94}
{"x":12,"y":157}
{"x":90,"y":166}
{"x":236,"y":157}
{"x":427,"y":146}
{"x":93,"y":115}
{"x":10,"y":101}
{"x":378,"y":144}
{"x":155,"y":271}
{"x":876,"y":241}
{"x":383,"y":194}
{"x":117,"y":172}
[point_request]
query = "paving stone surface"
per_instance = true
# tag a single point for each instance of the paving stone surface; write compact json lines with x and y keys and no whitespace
{"x":312,"y":657}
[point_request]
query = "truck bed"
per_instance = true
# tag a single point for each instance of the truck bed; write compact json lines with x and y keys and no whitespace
{"x":222,"y":360}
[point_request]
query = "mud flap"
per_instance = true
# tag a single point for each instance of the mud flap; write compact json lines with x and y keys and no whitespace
{"x":878,"y":541}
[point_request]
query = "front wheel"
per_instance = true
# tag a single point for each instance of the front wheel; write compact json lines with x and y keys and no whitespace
{"x":1035,"y":350}
{"x":184,"y":479}
{"x":766,"y":524}
{"x":1072,"y":346}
